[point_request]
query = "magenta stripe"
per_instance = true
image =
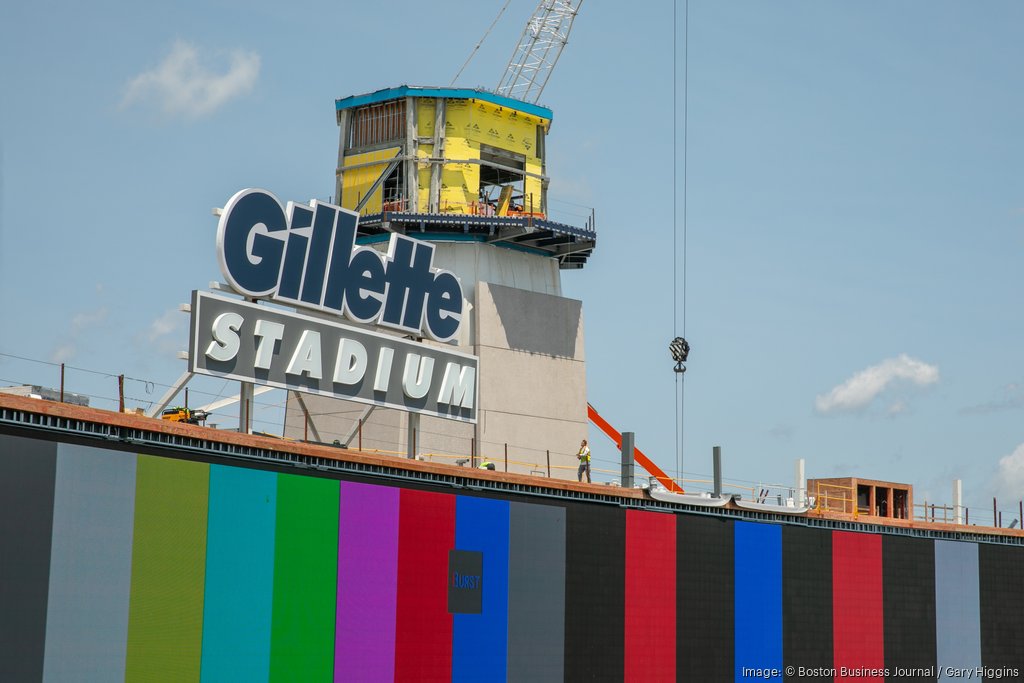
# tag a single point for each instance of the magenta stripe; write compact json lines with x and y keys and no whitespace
{"x":364,"y":646}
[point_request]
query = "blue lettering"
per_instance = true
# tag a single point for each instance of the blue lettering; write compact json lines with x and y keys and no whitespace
{"x":319,"y":248}
{"x":262,"y":254}
{"x":254,"y":272}
{"x":465,"y":581}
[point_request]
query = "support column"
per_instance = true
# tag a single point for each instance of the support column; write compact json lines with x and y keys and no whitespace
{"x":412,"y":176}
{"x":437,"y":163}
{"x":245,"y":407}
{"x":412,"y":436}
{"x":342,"y":140}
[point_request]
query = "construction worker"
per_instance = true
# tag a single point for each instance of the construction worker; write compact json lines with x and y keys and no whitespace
{"x":584,"y":457}
{"x":486,"y":464}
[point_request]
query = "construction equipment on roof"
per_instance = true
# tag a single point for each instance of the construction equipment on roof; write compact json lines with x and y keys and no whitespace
{"x":545,"y":36}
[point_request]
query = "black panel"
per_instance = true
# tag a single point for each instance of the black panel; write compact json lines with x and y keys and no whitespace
{"x":595,"y":593}
{"x":704,"y":599}
{"x":1001,"y":588}
{"x":908,"y":601}
{"x":807,"y":603}
{"x":28,"y":469}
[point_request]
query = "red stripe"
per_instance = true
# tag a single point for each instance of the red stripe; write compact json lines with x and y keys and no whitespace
{"x":857,"y":605}
{"x":650,"y":596}
{"x":423,"y":626}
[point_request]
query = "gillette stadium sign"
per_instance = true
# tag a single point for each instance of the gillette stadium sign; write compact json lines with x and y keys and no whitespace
{"x":307,"y":256}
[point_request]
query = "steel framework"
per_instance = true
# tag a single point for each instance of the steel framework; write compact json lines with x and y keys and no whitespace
{"x":542,"y":42}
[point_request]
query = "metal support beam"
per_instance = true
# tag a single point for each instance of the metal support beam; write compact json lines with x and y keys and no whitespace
{"x":339,"y":172}
{"x":412,"y":175}
{"x":361,"y":420}
{"x":309,"y":417}
{"x":166,"y":399}
{"x":437,"y":154}
{"x":378,"y":182}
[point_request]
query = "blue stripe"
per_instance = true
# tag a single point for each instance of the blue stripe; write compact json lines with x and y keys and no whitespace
{"x":239,"y":575}
{"x":480,"y":641}
{"x":758,"y":599}
{"x":456,"y":93}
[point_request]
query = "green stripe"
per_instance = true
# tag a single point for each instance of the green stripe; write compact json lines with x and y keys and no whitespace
{"x":165,"y":616}
{"x":305,"y":579}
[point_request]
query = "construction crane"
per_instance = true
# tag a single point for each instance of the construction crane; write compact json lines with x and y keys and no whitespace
{"x":545,"y":36}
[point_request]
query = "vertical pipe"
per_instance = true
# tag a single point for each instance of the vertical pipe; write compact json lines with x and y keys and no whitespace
{"x":120,"y":393}
{"x":472,"y":452}
{"x":801,"y":483}
{"x":186,"y":399}
{"x":360,"y":433}
{"x":506,"y":456}
{"x":627,"y":454}
{"x":305,"y":427}
{"x":716,"y":456}
{"x":994,"y":515}
{"x":958,"y":501}
{"x":61,"y":382}
{"x":549,"y":475}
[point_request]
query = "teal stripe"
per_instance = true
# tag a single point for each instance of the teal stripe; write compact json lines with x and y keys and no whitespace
{"x":239,"y":575}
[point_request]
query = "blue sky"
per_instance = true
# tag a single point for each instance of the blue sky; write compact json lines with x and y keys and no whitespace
{"x":855,"y":218}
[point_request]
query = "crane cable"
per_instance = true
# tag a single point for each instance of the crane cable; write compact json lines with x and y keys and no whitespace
{"x":680,"y":376}
{"x":481,"y":42}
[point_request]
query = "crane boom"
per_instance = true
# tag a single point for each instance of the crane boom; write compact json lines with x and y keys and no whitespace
{"x":539,"y":48}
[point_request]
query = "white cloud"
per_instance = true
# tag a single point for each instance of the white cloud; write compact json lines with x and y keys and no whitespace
{"x":862,"y":388}
{"x":67,"y":348}
{"x":164,"y":325}
{"x":181,"y":85}
{"x":1009,"y":477}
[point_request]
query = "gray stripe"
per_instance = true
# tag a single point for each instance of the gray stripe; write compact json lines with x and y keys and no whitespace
{"x":957,"y":610}
{"x":536,"y":593}
{"x":26,"y":517}
{"x":91,"y":564}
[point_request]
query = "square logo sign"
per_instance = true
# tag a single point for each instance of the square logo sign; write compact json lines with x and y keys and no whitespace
{"x":465,"y":581}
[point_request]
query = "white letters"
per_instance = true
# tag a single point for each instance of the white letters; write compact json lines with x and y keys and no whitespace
{"x":269,"y":334}
{"x":458,"y":386}
{"x":416,"y":379}
{"x":351,"y":364}
{"x":225,"y":334}
{"x":383,"y":378}
{"x":306,"y":359}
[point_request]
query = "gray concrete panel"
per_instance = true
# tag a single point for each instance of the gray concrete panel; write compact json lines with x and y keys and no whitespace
{"x":536,"y":593}
{"x":536,"y":323}
{"x":26,"y":518}
{"x":957,"y":610}
{"x":91,"y":565}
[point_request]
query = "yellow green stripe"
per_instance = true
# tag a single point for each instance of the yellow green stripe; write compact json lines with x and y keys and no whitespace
{"x":165,"y":615}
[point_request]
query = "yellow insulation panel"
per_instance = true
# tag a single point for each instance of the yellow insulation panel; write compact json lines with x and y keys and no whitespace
{"x":460,"y":182}
{"x":532,"y":200}
{"x":492,"y":125}
{"x":423,"y":155}
{"x":357,"y":181}
{"x":425,"y":116}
